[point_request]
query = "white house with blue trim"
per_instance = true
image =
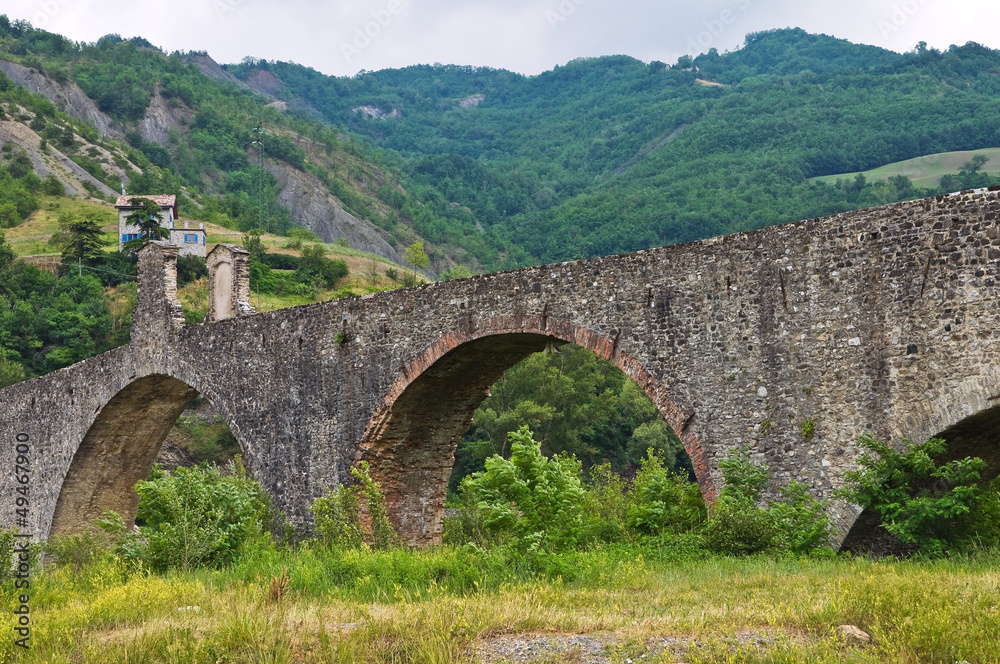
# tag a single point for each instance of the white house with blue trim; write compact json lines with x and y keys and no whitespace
{"x":191,"y":241}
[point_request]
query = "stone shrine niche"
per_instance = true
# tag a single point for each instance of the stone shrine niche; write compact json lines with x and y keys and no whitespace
{"x":228,"y":283}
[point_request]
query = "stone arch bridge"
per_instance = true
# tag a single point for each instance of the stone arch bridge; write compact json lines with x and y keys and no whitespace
{"x":884,"y":320}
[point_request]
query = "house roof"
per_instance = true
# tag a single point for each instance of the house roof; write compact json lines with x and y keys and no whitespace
{"x":163,"y":200}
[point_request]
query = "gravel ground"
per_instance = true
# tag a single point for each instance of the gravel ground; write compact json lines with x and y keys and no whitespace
{"x":595,"y":648}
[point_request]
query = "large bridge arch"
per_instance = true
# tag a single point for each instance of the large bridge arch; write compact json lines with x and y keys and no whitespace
{"x":411,"y":439}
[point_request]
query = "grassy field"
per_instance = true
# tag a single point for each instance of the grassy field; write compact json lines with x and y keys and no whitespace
{"x":31,"y":238}
{"x":924,"y":171}
{"x":450,"y":605}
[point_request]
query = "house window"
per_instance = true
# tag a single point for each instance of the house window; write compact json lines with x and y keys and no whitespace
{"x":190,"y":238}
{"x":130,"y":236}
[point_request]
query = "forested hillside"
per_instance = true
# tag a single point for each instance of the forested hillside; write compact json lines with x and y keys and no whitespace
{"x":611,"y":154}
{"x":127,"y":113}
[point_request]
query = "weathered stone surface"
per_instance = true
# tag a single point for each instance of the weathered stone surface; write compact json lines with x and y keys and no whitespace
{"x":880,"y":320}
{"x":853,"y":636}
{"x":229,"y":287}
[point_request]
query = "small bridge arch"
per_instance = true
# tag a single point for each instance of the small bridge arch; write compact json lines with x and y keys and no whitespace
{"x":118,"y":451}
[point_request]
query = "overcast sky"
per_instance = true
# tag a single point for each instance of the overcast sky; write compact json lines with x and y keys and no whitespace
{"x":528,"y":36}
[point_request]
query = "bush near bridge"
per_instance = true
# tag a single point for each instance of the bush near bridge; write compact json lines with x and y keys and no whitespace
{"x":938,"y":508}
{"x":539,"y":513}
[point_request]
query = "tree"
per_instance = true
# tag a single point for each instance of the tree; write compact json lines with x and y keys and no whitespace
{"x":530,"y":501}
{"x":416,"y":256}
{"x":10,"y":372}
{"x":254,"y":245}
{"x":975,"y":164}
{"x":456,"y":272}
{"x":84,"y":243}
{"x":7,"y":254}
{"x":146,"y":216}
{"x":371,"y":272}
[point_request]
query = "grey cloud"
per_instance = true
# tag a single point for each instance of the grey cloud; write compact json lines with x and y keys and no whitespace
{"x":524,"y":35}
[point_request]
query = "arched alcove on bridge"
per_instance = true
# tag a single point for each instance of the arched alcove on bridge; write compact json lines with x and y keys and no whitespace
{"x":975,"y":436}
{"x":411,"y":440}
{"x":118,"y":451}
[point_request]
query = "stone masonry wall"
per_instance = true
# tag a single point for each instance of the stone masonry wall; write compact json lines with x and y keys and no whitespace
{"x":880,"y":320}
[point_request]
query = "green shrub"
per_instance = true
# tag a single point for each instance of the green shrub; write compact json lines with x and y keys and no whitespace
{"x":338,"y":519}
{"x":744,"y":481}
{"x":736,"y":525}
{"x":920,"y":501}
{"x":302,"y":233}
{"x":465,"y":525}
{"x":533,"y":503}
{"x":738,"y":529}
{"x":383,"y":535}
{"x":662,"y":501}
{"x":336,"y":516}
{"x":193,"y":517}
{"x":52,"y":186}
{"x":282,"y":261}
{"x":800,"y":520}
{"x":607,"y":505}
{"x":78,"y":551}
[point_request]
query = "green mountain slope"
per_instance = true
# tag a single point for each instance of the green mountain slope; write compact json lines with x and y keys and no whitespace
{"x":611,"y":154}
{"x":158,"y":122}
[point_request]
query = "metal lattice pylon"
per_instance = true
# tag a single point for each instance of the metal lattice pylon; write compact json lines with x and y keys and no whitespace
{"x":263,"y":220}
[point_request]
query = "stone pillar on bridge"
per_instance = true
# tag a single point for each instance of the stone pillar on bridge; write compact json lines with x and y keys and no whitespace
{"x":158,"y":312}
{"x":228,"y":283}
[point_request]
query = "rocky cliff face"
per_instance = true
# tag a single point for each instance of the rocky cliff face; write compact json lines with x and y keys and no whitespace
{"x":52,"y":160}
{"x":161,"y":117}
{"x":68,"y":97}
{"x":310,"y":204}
{"x":214,"y":70}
